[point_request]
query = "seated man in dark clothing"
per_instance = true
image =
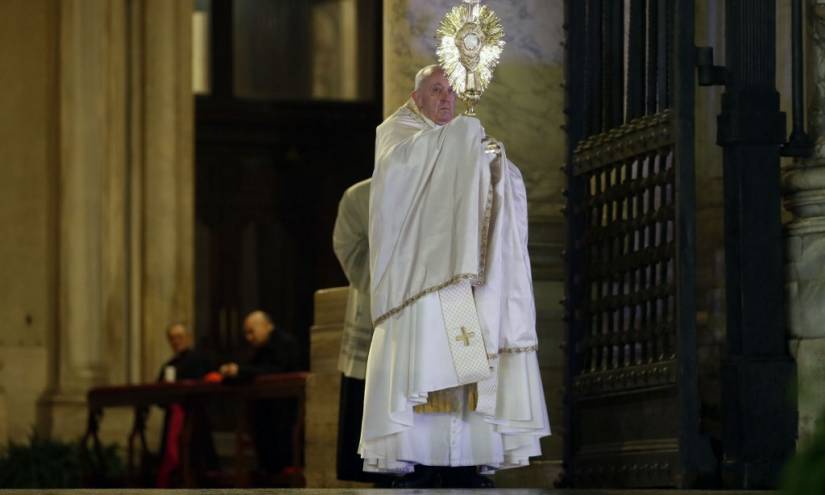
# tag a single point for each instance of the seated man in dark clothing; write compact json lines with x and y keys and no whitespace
{"x":272,"y":420}
{"x":186,"y":364}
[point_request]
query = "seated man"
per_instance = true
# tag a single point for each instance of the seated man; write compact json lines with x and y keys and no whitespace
{"x":272,"y":420}
{"x":187,"y":363}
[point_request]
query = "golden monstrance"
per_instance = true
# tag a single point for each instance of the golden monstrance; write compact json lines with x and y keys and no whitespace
{"x":470,"y":41}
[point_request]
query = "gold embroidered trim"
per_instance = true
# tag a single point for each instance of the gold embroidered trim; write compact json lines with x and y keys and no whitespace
{"x":485,"y":232}
{"x":454,"y":280}
{"x":514,"y":350}
{"x":448,"y":400}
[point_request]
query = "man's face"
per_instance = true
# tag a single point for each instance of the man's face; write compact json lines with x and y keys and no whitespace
{"x":179,"y":338}
{"x":256,"y":330}
{"x":435,"y":98}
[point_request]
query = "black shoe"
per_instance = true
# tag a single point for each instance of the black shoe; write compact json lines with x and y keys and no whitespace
{"x":465,"y":477}
{"x":477,"y":480}
{"x":422,"y":477}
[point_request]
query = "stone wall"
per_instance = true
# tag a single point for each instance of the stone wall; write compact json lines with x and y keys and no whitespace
{"x":96,"y":199}
{"x":323,"y":390}
{"x":27,"y":208}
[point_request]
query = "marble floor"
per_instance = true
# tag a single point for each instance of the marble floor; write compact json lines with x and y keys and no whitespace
{"x":310,"y":491}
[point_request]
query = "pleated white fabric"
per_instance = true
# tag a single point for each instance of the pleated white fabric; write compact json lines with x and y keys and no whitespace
{"x":403,"y":366}
{"x":351,"y":246}
{"x":420,"y":238}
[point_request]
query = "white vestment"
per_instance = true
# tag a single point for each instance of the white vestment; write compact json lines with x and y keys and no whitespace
{"x":351,"y":245}
{"x":444,"y":214}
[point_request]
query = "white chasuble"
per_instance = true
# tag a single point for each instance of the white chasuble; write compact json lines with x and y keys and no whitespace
{"x":452,"y":302}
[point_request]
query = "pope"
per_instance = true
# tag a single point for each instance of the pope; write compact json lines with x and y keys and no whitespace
{"x":453,"y":389}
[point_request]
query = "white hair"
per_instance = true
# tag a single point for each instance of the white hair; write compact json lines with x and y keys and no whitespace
{"x":425,"y":73}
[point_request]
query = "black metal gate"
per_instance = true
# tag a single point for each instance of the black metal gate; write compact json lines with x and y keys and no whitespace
{"x":631,"y":385}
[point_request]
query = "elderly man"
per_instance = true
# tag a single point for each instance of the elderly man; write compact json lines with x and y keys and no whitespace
{"x":187,"y":363}
{"x":273,"y":351}
{"x":452,"y":377}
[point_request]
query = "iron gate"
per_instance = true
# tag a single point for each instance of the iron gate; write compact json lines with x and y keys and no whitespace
{"x":632,"y":406}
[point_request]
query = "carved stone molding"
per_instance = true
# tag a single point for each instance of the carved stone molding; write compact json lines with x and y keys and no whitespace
{"x":804,"y":189}
{"x":804,"y":185}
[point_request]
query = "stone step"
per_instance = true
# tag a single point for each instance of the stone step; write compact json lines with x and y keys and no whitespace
{"x":344,"y":491}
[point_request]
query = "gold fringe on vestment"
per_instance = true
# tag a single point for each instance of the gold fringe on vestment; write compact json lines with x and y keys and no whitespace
{"x":449,"y":400}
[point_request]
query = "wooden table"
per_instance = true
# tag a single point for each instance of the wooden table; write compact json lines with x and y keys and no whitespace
{"x":195,"y":396}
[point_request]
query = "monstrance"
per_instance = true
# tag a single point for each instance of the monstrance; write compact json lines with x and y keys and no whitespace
{"x":470,"y":41}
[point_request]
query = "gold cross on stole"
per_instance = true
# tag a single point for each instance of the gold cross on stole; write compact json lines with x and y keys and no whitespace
{"x":465,"y":336}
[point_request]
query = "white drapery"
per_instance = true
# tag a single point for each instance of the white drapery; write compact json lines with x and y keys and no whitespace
{"x":443,"y":212}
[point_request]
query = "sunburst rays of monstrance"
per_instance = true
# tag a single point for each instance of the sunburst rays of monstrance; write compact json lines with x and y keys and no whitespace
{"x":470,"y":41}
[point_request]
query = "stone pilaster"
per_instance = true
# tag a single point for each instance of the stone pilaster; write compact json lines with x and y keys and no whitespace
{"x":28,"y":76}
{"x":805,"y":282}
{"x":124,"y":215}
{"x":804,"y":185}
{"x":323,"y":391}
{"x":84,"y":140}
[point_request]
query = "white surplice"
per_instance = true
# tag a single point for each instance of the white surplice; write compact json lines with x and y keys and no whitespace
{"x":444,"y":213}
{"x":351,"y":245}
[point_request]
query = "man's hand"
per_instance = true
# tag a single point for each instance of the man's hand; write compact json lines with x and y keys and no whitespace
{"x":229,"y":369}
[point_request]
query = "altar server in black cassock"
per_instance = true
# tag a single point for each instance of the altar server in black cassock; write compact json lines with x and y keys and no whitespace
{"x":273,"y":351}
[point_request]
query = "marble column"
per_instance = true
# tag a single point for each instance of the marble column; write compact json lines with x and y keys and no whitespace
{"x":124,"y":221}
{"x":804,"y":184}
{"x":84,"y":140}
{"x":163,"y":177}
{"x":524,"y":109}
